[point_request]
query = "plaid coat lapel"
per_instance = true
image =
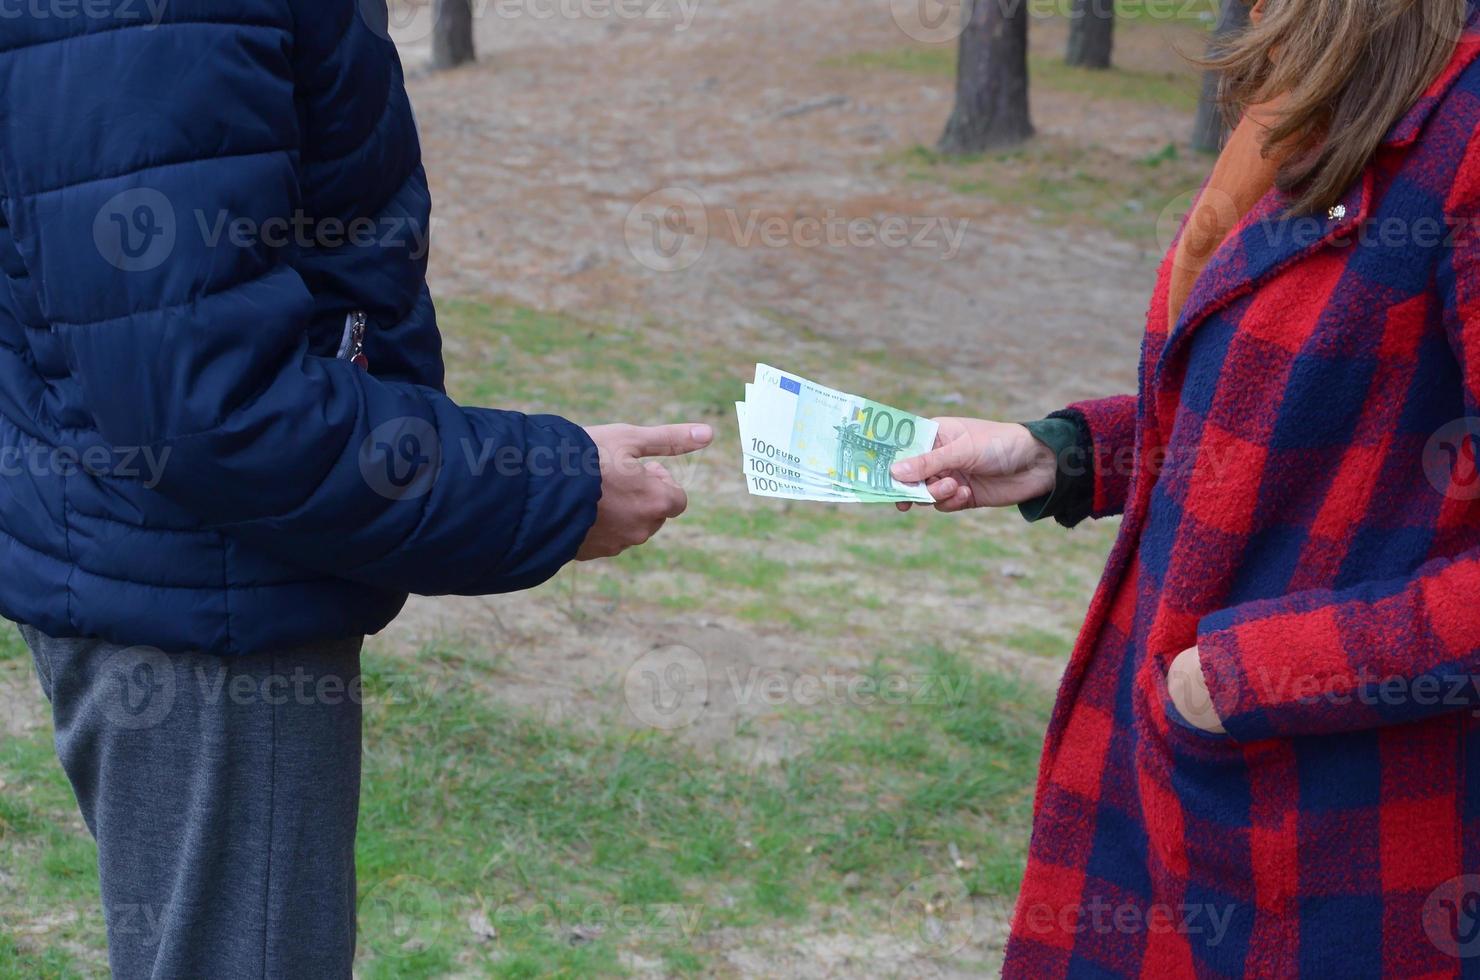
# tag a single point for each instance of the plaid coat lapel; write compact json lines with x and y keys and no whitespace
{"x":1264,"y":242}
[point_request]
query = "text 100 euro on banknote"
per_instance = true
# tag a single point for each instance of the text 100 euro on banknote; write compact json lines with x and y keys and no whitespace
{"x":807,"y":441}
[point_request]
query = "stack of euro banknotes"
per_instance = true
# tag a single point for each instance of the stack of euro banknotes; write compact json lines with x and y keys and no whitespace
{"x":805,"y":441}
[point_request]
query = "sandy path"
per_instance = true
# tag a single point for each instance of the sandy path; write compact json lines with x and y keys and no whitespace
{"x":539,"y":154}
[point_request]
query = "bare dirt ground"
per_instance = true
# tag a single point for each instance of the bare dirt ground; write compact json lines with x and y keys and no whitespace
{"x":539,"y":153}
{"x":538,"y":156}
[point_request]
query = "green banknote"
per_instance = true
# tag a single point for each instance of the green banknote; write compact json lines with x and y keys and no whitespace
{"x":773,"y":478}
{"x":825,"y":442}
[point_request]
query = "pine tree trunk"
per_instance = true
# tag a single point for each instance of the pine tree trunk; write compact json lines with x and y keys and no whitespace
{"x":1210,"y":130}
{"x":991,"y":79}
{"x":452,"y":33}
{"x":1091,"y":33}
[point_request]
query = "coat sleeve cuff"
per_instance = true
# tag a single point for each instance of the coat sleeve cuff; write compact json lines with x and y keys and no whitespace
{"x":1218,"y":653}
{"x":563,"y":489}
{"x":1067,"y":436}
{"x":1109,"y":450}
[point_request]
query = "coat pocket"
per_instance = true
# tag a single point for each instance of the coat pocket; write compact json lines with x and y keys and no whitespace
{"x":1185,"y":737}
{"x":352,"y":343}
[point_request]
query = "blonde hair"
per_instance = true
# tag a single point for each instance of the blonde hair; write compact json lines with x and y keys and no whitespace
{"x":1343,"y":71}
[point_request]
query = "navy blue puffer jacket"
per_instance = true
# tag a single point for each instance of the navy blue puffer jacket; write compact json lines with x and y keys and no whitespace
{"x":222,"y":420}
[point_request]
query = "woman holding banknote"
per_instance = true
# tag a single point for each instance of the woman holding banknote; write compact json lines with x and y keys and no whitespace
{"x":1265,"y":755}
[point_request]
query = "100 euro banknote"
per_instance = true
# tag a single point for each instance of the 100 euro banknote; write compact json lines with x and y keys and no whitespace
{"x":772,"y":478}
{"x":771,"y":468}
{"x":847,"y":440}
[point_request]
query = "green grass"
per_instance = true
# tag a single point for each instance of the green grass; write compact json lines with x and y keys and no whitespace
{"x":579,"y":845}
{"x":12,"y":647}
{"x":19,"y":964}
{"x":592,"y":367}
{"x":631,"y":841}
{"x":1068,"y":184}
{"x":1039,"y":642}
{"x":50,"y":856}
{"x":585,"y":843}
{"x":1174,"y":90}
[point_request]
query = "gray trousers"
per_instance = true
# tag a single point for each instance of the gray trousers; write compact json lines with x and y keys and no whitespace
{"x":223,"y":794}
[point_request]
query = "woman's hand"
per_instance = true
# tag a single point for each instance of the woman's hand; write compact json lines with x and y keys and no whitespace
{"x":977,"y":463}
{"x":1189,"y":690}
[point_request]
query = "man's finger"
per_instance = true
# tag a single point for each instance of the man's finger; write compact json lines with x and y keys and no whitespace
{"x":671,"y":440}
{"x":678,"y":501}
{"x":952,"y":456}
{"x":661,"y":472}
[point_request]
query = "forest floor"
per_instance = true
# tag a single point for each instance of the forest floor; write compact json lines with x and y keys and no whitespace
{"x":782,"y":740}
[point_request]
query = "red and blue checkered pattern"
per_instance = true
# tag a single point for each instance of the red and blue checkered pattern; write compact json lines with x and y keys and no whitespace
{"x":1282,"y":514}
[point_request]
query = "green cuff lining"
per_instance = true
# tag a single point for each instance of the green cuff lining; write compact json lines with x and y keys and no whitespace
{"x":1061,"y":436}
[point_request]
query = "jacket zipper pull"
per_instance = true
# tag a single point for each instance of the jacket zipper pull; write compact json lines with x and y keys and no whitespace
{"x":352,"y":346}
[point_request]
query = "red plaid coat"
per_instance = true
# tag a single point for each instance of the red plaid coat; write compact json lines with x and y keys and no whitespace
{"x":1303,"y":506}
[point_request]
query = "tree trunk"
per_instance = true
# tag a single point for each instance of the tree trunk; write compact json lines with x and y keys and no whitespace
{"x":991,"y":79}
{"x":452,"y":33}
{"x":1091,"y":33}
{"x":1209,"y":130}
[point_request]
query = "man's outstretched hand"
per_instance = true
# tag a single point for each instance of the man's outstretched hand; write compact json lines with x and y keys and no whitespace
{"x":637,"y":497}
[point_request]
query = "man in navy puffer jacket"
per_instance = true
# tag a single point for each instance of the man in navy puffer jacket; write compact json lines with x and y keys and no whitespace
{"x":227,"y":454}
